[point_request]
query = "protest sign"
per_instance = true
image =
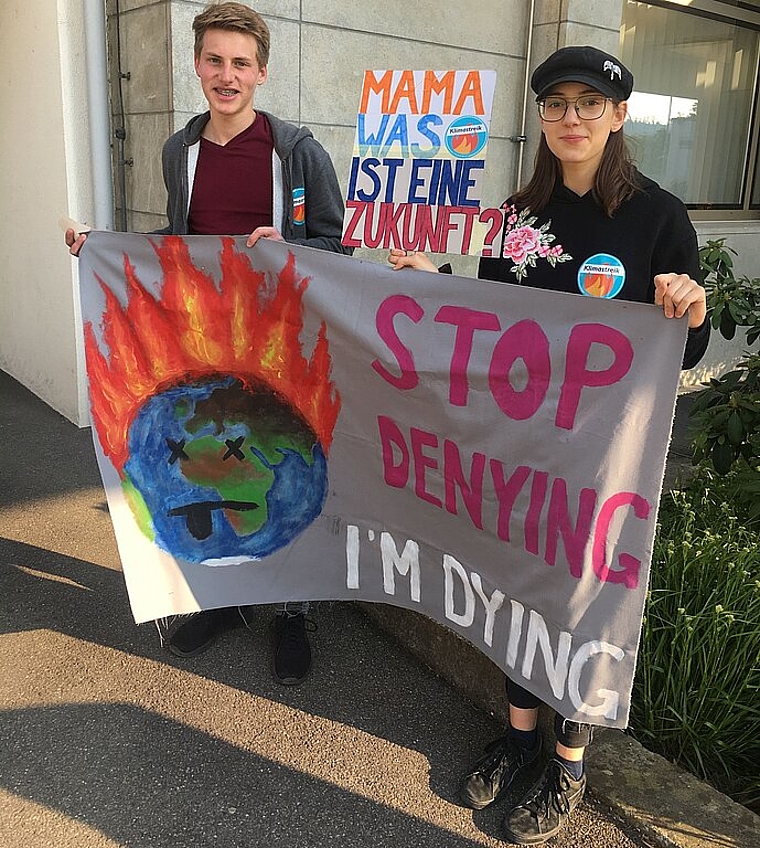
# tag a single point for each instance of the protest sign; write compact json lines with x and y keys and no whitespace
{"x":286,"y":424}
{"x":418,"y":163}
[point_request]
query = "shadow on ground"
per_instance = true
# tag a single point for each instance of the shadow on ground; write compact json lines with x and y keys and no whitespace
{"x":112,"y":780}
{"x":146,"y":779}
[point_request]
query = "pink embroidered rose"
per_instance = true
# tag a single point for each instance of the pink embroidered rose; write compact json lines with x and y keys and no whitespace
{"x":521,"y":243}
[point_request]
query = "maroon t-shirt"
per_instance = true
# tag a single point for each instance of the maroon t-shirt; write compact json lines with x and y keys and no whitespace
{"x":232,"y":189}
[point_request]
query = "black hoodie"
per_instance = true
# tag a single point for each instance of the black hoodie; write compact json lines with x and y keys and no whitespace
{"x":573,"y":246}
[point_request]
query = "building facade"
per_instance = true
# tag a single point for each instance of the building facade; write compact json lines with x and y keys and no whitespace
{"x":84,"y":138}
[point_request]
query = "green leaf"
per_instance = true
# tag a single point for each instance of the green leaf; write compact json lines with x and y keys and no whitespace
{"x":727,"y":326}
{"x":739,"y":310}
{"x":735,"y":429}
{"x":722,"y":458}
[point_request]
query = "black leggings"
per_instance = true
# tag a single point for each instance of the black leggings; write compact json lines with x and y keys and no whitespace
{"x":571,"y":734}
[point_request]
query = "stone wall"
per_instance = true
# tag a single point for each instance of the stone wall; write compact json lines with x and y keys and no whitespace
{"x":319,"y":52}
{"x":320,"y":49}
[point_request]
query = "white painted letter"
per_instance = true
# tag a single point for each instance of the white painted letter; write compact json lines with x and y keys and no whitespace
{"x":515,"y":632}
{"x":451,"y":565}
{"x":492,"y":605}
{"x":556,"y":671}
{"x":610,"y":699}
{"x":352,"y":557}
{"x":409,"y":559}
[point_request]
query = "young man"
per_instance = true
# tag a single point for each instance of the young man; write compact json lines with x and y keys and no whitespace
{"x":235,"y":170}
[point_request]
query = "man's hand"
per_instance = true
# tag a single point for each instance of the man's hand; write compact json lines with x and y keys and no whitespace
{"x":677,"y":294}
{"x":74,"y":242}
{"x":264,"y":232}
{"x":74,"y":233}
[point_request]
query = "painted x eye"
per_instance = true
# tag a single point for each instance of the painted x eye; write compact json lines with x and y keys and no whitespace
{"x":177,"y":450}
{"x":233,"y":448}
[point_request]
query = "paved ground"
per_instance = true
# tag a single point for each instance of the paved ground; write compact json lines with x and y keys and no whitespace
{"x":107,"y":740}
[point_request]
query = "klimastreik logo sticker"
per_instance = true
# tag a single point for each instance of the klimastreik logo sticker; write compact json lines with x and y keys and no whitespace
{"x":466,"y":137}
{"x":299,"y":205}
{"x":601,"y":275}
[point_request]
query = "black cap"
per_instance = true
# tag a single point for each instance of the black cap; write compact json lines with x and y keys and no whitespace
{"x":603,"y":72}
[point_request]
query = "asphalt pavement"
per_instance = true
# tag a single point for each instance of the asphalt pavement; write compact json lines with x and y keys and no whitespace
{"x":108,"y":740}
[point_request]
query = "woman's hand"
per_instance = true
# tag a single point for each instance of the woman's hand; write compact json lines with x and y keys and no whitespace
{"x":677,"y":294}
{"x":410,"y":259}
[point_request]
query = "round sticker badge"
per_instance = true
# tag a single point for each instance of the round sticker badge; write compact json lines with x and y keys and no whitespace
{"x":466,"y":137}
{"x":299,"y":205}
{"x":601,"y":275}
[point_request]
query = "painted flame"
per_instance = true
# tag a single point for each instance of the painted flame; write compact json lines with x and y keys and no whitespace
{"x":466,"y":143}
{"x":196,"y":329}
{"x":599,"y":285}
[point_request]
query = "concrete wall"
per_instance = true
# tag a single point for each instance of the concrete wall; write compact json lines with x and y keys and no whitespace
{"x":319,"y":53}
{"x":308,"y":84}
{"x":320,"y":49}
{"x":44,"y":147}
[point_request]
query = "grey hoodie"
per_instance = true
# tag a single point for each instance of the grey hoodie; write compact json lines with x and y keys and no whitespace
{"x":303,"y":179}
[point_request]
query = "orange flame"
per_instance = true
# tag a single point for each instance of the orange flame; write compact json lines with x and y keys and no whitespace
{"x":466,"y":143}
{"x":599,"y":285}
{"x":195,"y":330}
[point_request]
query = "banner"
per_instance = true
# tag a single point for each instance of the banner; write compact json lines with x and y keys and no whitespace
{"x":287,"y":424}
{"x":418,"y":163}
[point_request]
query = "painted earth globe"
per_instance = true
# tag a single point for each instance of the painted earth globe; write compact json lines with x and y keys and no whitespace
{"x":223,"y":469}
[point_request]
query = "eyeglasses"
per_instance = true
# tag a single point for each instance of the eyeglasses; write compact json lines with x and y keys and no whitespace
{"x":590,"y":107}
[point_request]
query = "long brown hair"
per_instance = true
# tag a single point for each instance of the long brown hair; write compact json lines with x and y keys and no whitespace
{"x":615,"y":180}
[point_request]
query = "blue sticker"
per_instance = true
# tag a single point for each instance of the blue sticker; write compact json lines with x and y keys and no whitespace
{"x":466,"y":137}
{"x":601,"y":275}
{"x":299,"y":205}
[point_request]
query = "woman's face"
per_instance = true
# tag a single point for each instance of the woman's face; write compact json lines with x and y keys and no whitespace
{"x":575,"y":141}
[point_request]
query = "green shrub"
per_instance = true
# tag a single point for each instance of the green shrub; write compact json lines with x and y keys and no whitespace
{"x":726,"y":413}
{"x":731,"y":302}
{"x":726,"y":429}
{"x":697,"y":688}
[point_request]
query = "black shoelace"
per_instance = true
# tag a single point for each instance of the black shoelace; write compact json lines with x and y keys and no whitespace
{"x":551,"y":792}
{"x":497,"y":756}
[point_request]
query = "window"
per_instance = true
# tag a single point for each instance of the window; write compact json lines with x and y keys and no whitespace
{"x":693,"y":115}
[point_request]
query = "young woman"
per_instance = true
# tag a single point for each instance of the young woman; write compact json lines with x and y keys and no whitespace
{"x":585,"y":206}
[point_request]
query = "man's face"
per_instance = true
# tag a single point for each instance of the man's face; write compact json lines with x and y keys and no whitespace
{"x":229,"y":71}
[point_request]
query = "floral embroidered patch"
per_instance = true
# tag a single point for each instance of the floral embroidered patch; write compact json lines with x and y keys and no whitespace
{"x":525,"y":244}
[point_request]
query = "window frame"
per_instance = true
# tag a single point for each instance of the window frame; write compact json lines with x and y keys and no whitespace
{"x":726,"y":12}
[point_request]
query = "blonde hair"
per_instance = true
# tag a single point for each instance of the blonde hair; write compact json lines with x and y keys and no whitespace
{"x":235,"y":17}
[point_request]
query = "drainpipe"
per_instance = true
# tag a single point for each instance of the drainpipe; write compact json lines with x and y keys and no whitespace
{"x":97,"y":99}
{"x":522,"y":138}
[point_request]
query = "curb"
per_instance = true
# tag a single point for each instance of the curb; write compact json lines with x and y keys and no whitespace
{"x":672,"y":808}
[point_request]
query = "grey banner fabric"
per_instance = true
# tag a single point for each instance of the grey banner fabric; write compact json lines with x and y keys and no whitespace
{"x":285,"y":424}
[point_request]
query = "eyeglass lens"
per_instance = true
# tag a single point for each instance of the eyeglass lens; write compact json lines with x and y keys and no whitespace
{"x":588,"y":108}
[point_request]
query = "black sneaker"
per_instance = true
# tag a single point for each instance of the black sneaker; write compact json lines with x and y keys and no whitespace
{"x":190,"y":635}
{"x":545,"y":808}
{"x":292,"y":652}
{"x":496,"y":770}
